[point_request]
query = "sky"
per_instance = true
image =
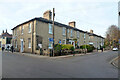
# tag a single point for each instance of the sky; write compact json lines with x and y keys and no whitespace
{"x":97,"y":15}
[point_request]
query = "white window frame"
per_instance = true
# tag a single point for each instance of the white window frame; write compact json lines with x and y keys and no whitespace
{"x":84,"y":35}
{"x":29,"y":42}
{"x":64,"y":29}
{"x":71,"y":33}
{"x":29,"y":28}
{"x":68,"y":31}
{"x":78,"y":34}
{"x":50,"y":29}
{"x":22,"y":29}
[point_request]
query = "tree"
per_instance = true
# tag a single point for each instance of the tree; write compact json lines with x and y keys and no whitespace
{"x":112,"y":36}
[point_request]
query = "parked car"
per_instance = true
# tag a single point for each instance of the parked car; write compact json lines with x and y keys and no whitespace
{"x":115,"y":49}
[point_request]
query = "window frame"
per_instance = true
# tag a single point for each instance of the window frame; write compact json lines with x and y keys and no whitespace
{"x":50,"y":29}
{"x":29,"y":27}
{"x":78,"y":34}
{"x":29,"y":42}
{"x":71,"y":33}
{"x":22,"y":29}
{"x":63,"y":33}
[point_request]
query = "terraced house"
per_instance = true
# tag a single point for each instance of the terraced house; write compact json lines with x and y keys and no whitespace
{"x":38,"y":33}
{"x":5,"y":39}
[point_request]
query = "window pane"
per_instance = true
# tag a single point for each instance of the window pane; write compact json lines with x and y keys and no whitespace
{"x":50,"y":29}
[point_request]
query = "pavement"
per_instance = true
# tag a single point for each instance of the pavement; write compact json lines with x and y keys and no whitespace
{"x":63,"y":56}
{"x":88,"y":66}
{"x":115,"y":62}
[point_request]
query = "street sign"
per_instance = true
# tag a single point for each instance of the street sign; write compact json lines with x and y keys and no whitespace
{"x":60,"y":41}
{"x":51,"y":39}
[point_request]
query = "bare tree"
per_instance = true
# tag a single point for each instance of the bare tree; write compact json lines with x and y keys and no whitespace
{"x":112,"y":36}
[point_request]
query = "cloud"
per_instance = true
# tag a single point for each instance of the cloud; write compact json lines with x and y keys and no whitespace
{"x":89,"y":14}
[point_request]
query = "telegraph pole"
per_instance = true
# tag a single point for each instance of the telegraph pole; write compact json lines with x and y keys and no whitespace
{"x":53,"y":29}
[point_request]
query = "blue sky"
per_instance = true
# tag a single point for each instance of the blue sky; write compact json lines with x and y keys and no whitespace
{"x":88,"y":14}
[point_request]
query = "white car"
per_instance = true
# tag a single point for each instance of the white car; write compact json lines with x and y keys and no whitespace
{"x":115,"y":49}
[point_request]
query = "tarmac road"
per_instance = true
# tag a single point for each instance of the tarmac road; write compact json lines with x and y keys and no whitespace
{"x":88,"y":66}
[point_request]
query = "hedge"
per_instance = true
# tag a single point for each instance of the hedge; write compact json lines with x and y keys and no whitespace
{"x":90,"y":48}
{"x":59,"y":47}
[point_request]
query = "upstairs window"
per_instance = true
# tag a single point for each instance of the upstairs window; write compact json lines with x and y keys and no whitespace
{"x":22,"y":29}
{"x":71,"y":33}
{"x":50,"y":29}
{"x":78,"y":34}
{"x":68,"y":31}
{"x":84,"y":35}
{"x":29,"y":29}
{"x":15,"y":32}
{"x":64,"y":30}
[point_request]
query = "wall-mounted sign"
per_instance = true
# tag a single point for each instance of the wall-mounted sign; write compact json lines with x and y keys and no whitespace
{"x":51,"y":39}
{"x":40,"y":45}
{"x":60,"y":42}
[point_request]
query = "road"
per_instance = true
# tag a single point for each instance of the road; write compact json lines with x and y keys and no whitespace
{"x":87,"y":66}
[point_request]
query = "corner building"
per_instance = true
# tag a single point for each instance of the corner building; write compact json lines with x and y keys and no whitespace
{"x":38,"y":32}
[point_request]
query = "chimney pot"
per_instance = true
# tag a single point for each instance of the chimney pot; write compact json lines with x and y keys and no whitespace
{"x":6,"y":30}
{"x":3,"y":31}
{"x":91,"y":31}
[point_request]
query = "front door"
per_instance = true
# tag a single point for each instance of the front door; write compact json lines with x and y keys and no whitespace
{"x":22,"y":46}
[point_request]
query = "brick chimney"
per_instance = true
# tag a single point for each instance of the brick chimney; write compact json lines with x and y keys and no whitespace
{"x":72,"y":24}
{"x":47,"y":15}
{"x":6,"y":30}
{"x":91,"y":31}
{"x":3,"y":31}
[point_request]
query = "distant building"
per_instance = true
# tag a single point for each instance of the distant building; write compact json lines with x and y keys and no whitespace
{"x":5,"y":39}
{"x":38,"y":32}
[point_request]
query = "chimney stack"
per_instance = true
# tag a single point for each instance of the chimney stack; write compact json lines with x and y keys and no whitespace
{"x":72,"y":24}
{"x":6,"y":30}
{"x":47,"y":15}
{"x":3,"y":31}
{"x":91,"y":31}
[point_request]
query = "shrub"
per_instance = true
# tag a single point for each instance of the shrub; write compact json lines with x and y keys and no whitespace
{"x":59,"y":47}
{"x":89,"y":48}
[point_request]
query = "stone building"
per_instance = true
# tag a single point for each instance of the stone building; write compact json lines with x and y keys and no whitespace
{"x":38,"y":32}
{"x":5,"y":39}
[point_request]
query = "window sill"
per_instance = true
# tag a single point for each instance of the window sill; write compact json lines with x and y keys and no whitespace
{"x":29,"y":47}
{"x":51,"y":33}
{"x":64,"y":35}
{"x":50,"y":47}
{"x":29,"y":32}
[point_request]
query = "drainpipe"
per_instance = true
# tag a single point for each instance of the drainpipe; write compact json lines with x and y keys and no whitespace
{"x":66,"y":36}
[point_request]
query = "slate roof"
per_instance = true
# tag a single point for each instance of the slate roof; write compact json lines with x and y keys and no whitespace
{"x":6,"y":35}
{"x":56,"y":23}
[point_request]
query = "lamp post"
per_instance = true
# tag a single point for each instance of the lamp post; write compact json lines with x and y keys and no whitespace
{"x":53,"y":29}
